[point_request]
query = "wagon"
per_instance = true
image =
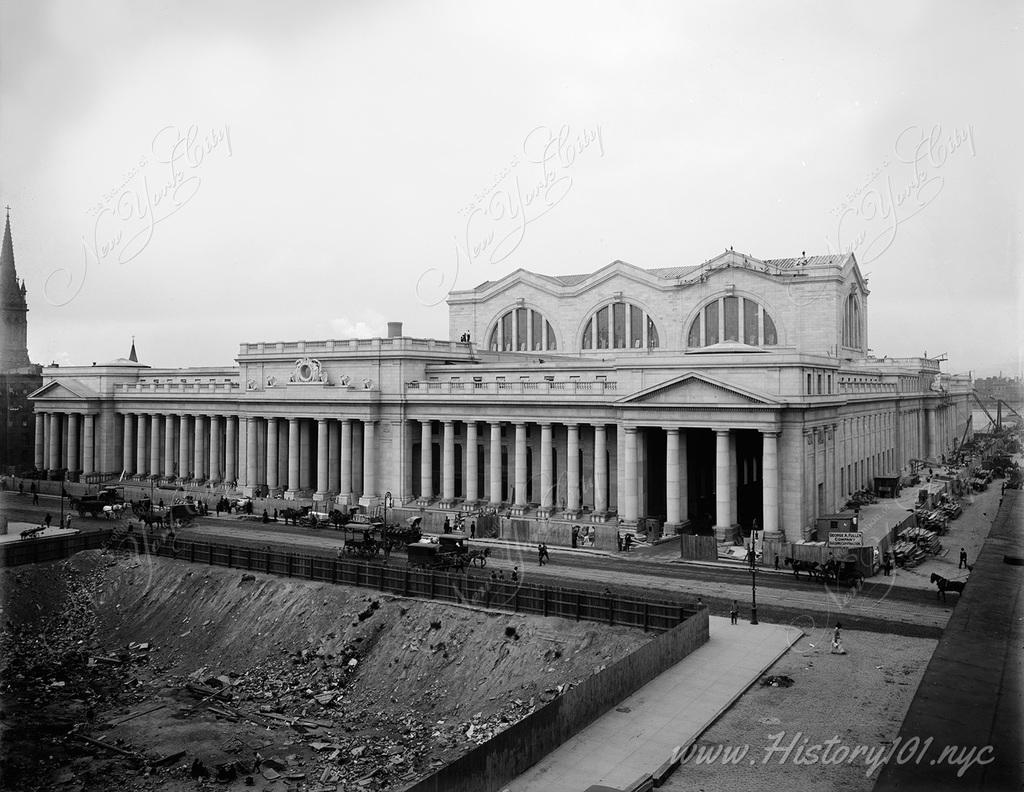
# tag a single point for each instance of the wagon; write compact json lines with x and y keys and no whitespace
{"x":428,"y":555}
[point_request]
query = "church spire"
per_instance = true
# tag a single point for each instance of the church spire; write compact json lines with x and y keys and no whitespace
{"x":131,"y":355}
{"x":14,"y":308}
{"x":11,"y":293}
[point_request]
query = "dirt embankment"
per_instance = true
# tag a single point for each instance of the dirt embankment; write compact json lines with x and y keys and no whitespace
{"x":293,"y":684}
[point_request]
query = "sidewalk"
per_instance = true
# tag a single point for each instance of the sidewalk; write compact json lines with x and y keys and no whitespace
{"x":671,"y":710}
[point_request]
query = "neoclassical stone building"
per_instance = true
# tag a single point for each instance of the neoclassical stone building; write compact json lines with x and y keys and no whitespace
{"x":734,"y":391}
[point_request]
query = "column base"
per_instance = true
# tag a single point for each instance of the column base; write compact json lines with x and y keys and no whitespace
{"x":469,"y":506}
{"x":249,"y":492}
{"x":773,"y":536}
{"x":518,"y":510}
{"x":320,"y":497}
{"x":599,"y":518}
{"x":290,"y":495}
{"x":369,"y":501}
{"x":671,"y":528}
{"x":725,"y":533}
{"x":543,"y":513}
{"x":447,"y":503}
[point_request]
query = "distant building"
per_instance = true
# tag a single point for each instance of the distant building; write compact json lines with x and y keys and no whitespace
{"x":730,"y":393}
{"x":18,"y":376}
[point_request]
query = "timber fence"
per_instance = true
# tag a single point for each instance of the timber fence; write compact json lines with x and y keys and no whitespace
{"x":396,"y":578}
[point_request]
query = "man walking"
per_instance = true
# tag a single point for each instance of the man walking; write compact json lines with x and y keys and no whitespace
{"x":735,"y":612}
{"x":963,"y":558}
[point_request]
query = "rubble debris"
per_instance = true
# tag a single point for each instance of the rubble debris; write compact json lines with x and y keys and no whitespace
{"x":780,"y":680}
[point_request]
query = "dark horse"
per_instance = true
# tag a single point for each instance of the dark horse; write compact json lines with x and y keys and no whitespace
{"x":812,"y":568}
{"x":947,"y":585}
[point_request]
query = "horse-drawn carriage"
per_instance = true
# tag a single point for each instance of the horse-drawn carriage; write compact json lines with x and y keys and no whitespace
{"x":447,"y":551}
{"x":834,"y":571}
{"x":108,"y":502}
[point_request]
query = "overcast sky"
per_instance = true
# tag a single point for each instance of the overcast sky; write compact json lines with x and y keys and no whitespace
{"x":200,"y":174}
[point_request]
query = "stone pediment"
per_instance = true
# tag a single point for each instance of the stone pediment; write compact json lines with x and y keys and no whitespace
{"x":691,"y":389}
{"x":65,"y":389}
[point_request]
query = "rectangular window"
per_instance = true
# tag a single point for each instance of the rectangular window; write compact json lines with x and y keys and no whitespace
{"x":711,"y":324}
{"x":636,"y":327}
{"x":732,"y":318}
{"x":750,"y":322}
{"x":819,"y":384}
{"x":506,"y":331}
{"x":809,"y":391}
{"x":602,"y":328}
{"x":619,"y":325}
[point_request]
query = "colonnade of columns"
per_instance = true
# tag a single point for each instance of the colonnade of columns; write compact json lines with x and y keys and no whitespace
{"x":252,"y":452}
{"x":509,"y":477}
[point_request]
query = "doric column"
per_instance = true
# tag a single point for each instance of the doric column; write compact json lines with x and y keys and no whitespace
{"x":199,"y":435}
{"x":930,"y":429}
{"x":305,"y":454}
{"x":672,"y":477}
{"x":770,"y":483}
{"x":358,"y":458}
{"x":183,"y":434}
{"x":128,"y":449}
{"x":495,"y":466}
{"x":545,"y":469}
{"x":154,"y":444}
{"x":73,"y":460}
{"x":64,"y":434}
{"x":346,"y":458}
{"x":723,"y":485}
{"x":733,"y":489}
{"x":334,"y":457}
{"x":88,"y":444}
{"x":141,"y":435}
{"x":426,"y":462}
{"x":520,"y":495}
{"x":231,"y":448}
{"x":632,"y":501}
{"x":273,"y":454}
{"x":684,"y":484}
{"x":322,"y":457}
{"x":168,"y":446}
{"x":369,"y":459}
{"x":40,"y":450}
{"x":572,"y":469}
{"x":448,"y":463}
{"x":600,"y":469}
{"x":252,"y":466}
{"x":472,"y":463}
{"x":293,"y":454}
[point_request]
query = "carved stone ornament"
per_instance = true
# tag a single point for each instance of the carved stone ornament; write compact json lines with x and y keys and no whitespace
{"x":271,"y":381}
{"x":344,"y":380}
{"x":250,"y":385}
{"x":308,"y":370}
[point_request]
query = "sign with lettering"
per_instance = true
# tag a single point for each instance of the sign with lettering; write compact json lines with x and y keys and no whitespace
{"x":841,"y":539}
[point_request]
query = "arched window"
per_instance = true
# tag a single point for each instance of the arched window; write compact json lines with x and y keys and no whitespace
{"x":853,"y":333}
{"x":620,"y":325}
{"x":732,"y":318}
{"x":522,"y":330}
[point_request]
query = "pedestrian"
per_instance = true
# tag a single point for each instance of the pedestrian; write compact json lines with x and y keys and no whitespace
{"x":575,"y":535}
{"x":963,"y":558}
{"x":544,"y":553}
{"x":540,"y":555}
{"x":776,"y":560}
{"x":618,"y":539}
{"x":447,"y":525}
{"x":47,"y":519}
{"x":886,"y":565}
{"x":515,"y":574}
{"x":21,"y":487}
{"x":67,"y":522}
{"x":837,"y":641}
{"x":472,"y":530}
{"x":751,"y":556}
{"x":218,"y":508}
{"x":627,"y":542}
{"x":700,"y":603}
{"x":35,"y":495}
{"x":735,"y":612}
{"x":275,"y":515}
{"x":266,"y":517}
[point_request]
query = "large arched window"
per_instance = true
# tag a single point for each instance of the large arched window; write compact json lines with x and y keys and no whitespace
{"x":619,"y":325}
{"x":853,"y":334}
{"x":522,"y":330}
{"x":732,"y":318}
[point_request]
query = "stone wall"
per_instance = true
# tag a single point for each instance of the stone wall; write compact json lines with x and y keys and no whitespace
{"x":490,"y":766}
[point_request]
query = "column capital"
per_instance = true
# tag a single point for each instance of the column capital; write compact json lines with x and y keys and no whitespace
{"x":770,"y":433}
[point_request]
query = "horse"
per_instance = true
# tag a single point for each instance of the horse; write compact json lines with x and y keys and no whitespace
{"x":947,"y":585}
{"x":812,"y":568}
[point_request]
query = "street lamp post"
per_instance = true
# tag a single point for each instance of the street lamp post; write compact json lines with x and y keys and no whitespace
{"x":753,"y":577}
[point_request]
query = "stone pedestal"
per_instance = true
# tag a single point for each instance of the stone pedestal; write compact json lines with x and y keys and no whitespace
{"x":518,"y":510}
{"x":289,"y":495}
{"x":369,"y":501}
{"x":468,"y":506}
{"x":725,"y":533}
